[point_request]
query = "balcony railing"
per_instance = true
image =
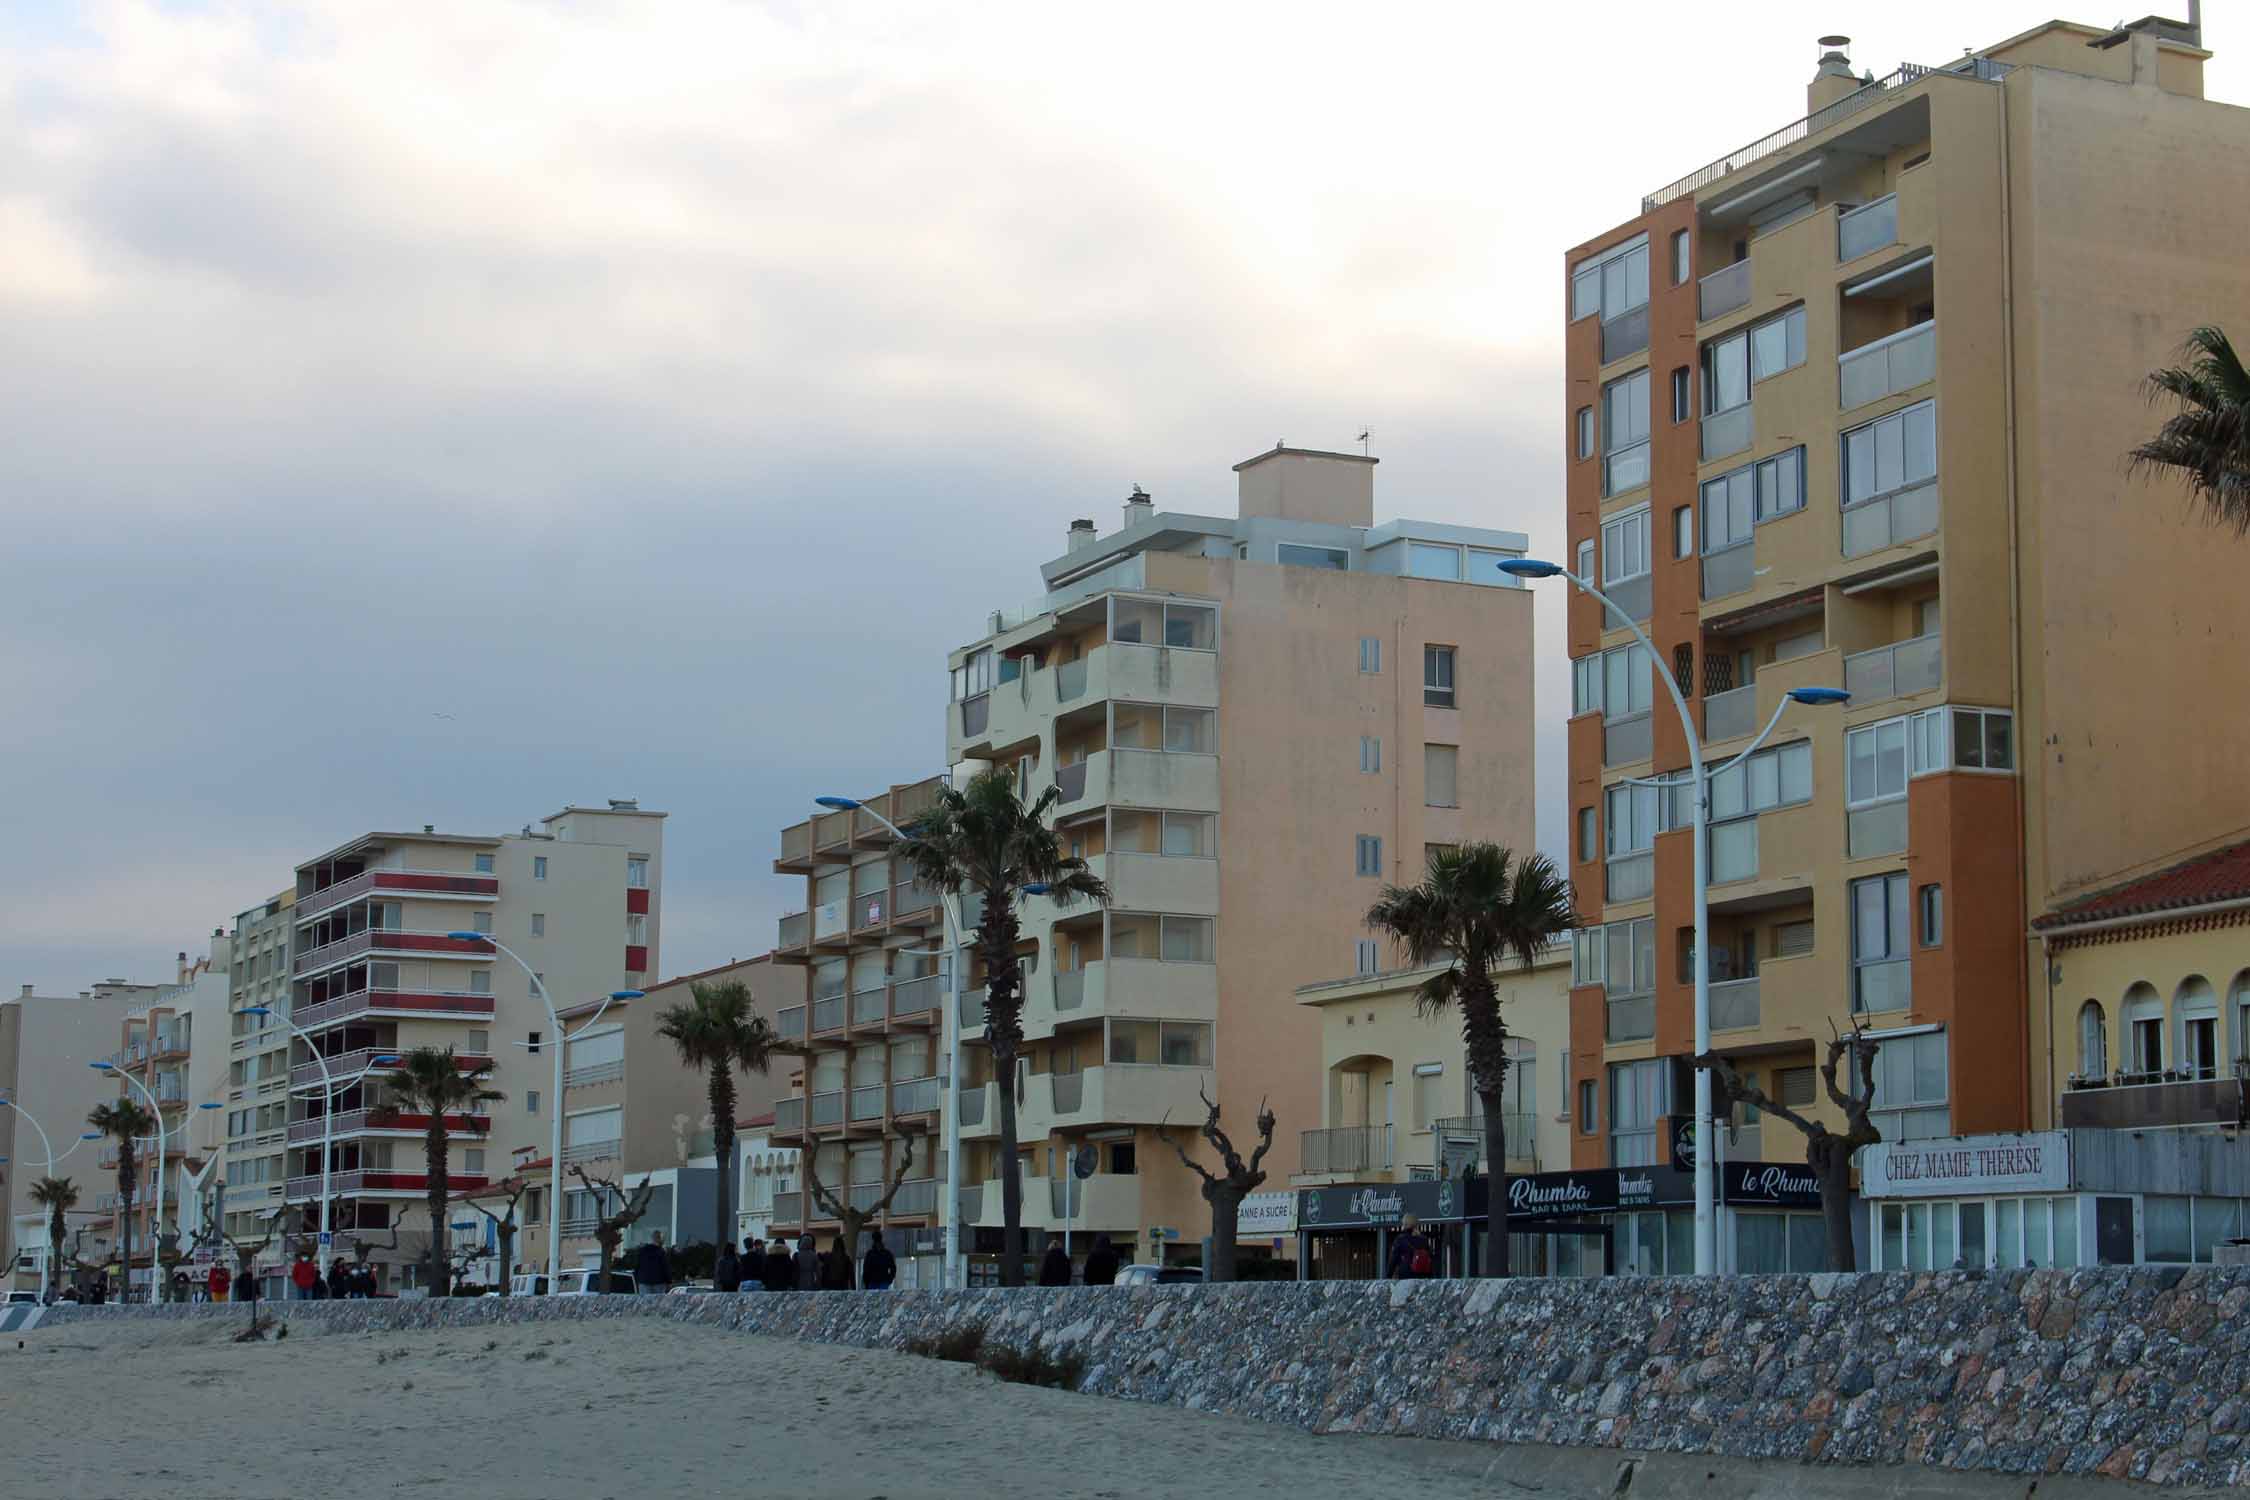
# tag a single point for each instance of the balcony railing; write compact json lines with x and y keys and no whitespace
{"x":867,"y":1102}
{"x":795,"y":930}
{"x":399,"y":882}
{"x":1625,"y":334}
{"x":1627,"y":741}
{"x":1070,"y":680}
{"x":398,"y":1121}
{"x":1069,"y":1091}
{"x":975,"y":714}
{"x":796,"y":841}
{"x":1734,"y":850}
{"x":1070,"y":780}
{"x":1894,"y":671}
{"x":1070,"y":989}
{"x":1734,"y":1003}
{"x":1732,"y":714}
{"x":871,"y":908}
{"x":972,"y":1201}
{"x":1723,"y":291}
{"x":864,"y":1195}
{"x":1457,"y":1141}
{"x":387,"y":940}
{"x":1887,"y":366}
{"x":1631,"y":1018}
{"x":1345,"y":1148}
{"x":1630,"y":877}
{"x":914,"y":1096}
{"x":972,"y":1009}
{"x":376,"y":1180}
{"x":1866,"y":228}
{"x":916,"y":997}
{"x":2150,"y":1102}
{"x":1625,"y":469}
{"x":1726,"y":432}
{"x":789,"y":1114}
{"x":593,"y":1073}
{"x":971,"y":1104}
{"x":869,"y":1007}
{"x":916,"y":1196}
{"x":601,"y":1150}
{"x":911,"y":896}
{"x":1729,"y":571}
{"x":788,"y":1208}
{"x":1879,"y":828}
{"x":1890,"y":519}
{"x":828,"y":1107}
{"x":432,"y":1003}
{"x":789,"y":1022}
{"x":1888,"y":985}
{"x":828,"y":1014}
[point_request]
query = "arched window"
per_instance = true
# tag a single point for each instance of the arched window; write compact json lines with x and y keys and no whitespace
{"x":2093,"y":1041}
{"x":2195,"y":1011}
{"x":2143,"y":1019}
{"x":2238,"y":1007}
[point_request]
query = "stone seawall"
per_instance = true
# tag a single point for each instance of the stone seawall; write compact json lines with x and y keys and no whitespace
{"x":2141,"y":1374}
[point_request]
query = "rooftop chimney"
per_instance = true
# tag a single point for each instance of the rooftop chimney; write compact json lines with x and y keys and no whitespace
{"x":1833,"y":80}
{"x":1138,"y":507}
{"x":27,"y":992}
{"x":624,"y":804}
{"x":1081,"y":535}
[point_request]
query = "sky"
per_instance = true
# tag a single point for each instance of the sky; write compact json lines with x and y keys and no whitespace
{"x":444,"y":411}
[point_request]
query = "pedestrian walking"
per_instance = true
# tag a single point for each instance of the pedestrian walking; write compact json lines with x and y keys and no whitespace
{"x":1412,"y":1257}
{"x":780,"y":1273}
{"x":1101,"y":1262}
{"x":836,"y":1267}
{"x":726,"y":1272}
{"x":807,"y":1263}
{"x":217,"y":1282}
{"x":303,"y":1277}
{"x":879,"y":1270}
{"x":652,"y":1269}
{"x":1055,"y":1269}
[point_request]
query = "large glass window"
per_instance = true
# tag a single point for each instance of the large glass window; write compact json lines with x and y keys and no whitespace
{"x":1911,"y":1091}
{"x":1620,"y":681}
{"x":1150,"y":622}
{"x":1630,"y":819}
{"x":1736,"y":501}
{"x":1625,"y":433}
{"x":1612,"y":283}
{"x":1620,"y":956}
{"x":1625,"y":550}
{"x":1890,"y":453}
{"x":1637,"y":1096}
{"x":1334,"y":559}
{"x":1777,"y":344}
{"x":1189,"y":730}
{"x":1432,"y":560}
{"x":1881,"y":917}
{"x":1172,"y":1044}
{"x":1437,"y":677}
{"x":1875,"y":763}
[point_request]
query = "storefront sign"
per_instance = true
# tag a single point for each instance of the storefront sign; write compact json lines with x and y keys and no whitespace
{"x":1967,"y":1166}
{"x":1774,"y":1182}
{"x":1554,"y":1195}
{"x":1262,"y":1214}
{"x":1384,"y":1205}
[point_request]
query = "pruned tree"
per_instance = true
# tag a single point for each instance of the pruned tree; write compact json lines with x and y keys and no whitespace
{"x":850,"y":1221}
{"x":610,"y":1227}
{"x":246,"y":1250}
{"x":363,"y":1248}
{"x":1226,"y":1189}
{"x":504,"y":1225}
{"x":1828,"y":1152}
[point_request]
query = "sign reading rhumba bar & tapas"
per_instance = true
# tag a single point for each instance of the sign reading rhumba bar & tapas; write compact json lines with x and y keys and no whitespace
{"x":1966,"y":1166}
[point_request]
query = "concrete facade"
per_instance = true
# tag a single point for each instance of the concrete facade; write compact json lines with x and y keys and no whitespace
{"x":45,"y":1043}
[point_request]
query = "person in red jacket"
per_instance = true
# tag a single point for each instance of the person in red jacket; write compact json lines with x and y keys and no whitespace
{"x":304,"y":1276}
{"x":218,"y":1282}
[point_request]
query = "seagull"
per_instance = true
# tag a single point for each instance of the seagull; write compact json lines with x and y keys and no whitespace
{"x":435,"y":715}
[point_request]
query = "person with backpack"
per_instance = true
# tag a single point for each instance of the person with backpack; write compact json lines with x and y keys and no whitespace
{"x":1412,"y":1256}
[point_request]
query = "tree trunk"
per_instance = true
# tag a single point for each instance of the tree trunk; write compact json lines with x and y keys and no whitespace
{"x":507,"y":1253}
{"x":54,"y":1253}
{"x":722,"y":1145}
{"x":125,"y":1202}
{"x":608,"y":1246}
{"x":1226,"y":1208}
{"x":441,"y":1243}
{"x":1011,"y":1176}
{"x":1496,"y":1177}
{"x":1832,"y":1166}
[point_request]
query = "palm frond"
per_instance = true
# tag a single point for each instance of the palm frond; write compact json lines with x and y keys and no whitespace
{"x":2206,"y":440}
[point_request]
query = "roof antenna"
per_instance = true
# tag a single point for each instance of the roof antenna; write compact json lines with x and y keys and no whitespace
{"x":1365,"y":433}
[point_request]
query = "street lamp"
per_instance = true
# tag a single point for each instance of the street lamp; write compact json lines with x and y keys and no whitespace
{"x":327,"y":1103}
{"x":1706,"y":1171}
{"x":554,"y":1103}
{"x":48,"y":1148}
{"x":107,"y":1068}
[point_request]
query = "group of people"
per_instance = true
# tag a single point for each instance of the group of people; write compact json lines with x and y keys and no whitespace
{"x":773,"y":1265}
{"x":1101,"y":1263}
{"x":307,"y":1284}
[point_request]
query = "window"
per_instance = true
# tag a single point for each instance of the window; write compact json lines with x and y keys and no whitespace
{"x":539,"y":867}
{"x":2093,"y":1041}
{"x":531,"y":1042}
{"x":1679,"y":257}
{"x":1429,"y":1086}
{"x":1791,"y":939}
{"x":1368,"y":857}
{"x":1978,"y":739}
{"x":2143,"y":1017}
{"x":1619,"y":681}
{"x":1683,"y":531}
{"x":1185,"y":940}
{"x":1441,"y":765}
{"x":1619,"y":956}
{"x":1177,"y":1044}
{"x":1152,"y":622}
{"x":1789,"y":648}
{"x":636,"y":873}
{"x":484,"y":864}
{"x":481,"y":921}
{"x":480,"y":982}
{"x":1585,"y":421}
{"x":472,"y":1162}
{"x":1484,"y":568}
{"x":1365,"y":959}
{"x":1683,"y":405}
{"x":1796,"y":1086}
{"x":1371,"y":654}
{"x":1189,"y":730}
{"x":1429,"y":560}
{"x":1890,"y":453}
{"x":531,"y":1101}
{"x":1334,"y":559}
{"x":636,"y":930}
{"x":1777,"y":344}
{"x":538,"y":924}
{"x":480,"y":1043}
{"x":1932,"y":901}
{"x":1612,"y":283}
{"x":1121,"y":1162}
{"x":1586,"y":560}
{"x":1191,"y":835}
{"x":1625,"y":547}
{"x":1589,"y":846}
{"x":1586,"y":1096}
{"x":1437,"y":677}
{"x":1625,"y":433}
{"x":1637,"y":1096}
{"x":1738,"y":500}
{"x":1731,"y":365}
{"x":1875,"y":763}
{"x":1778,"y":776}
{"x":2196,"y":1007}
{"x":1370,"y":754}
{"x":1910,"y":1087}
{"x":1630,"y":817}
{"x":1880,"y":977}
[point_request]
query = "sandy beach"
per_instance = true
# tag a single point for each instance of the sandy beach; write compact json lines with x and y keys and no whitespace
{"x":624,"y":1407}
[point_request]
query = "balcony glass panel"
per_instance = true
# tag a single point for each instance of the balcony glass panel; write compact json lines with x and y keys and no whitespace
{"x":1880,"y":829}
{"x":1726,"y":432}
{"x":1734,"y":851}
{"x":1632,"y":1020}
{"x":1349,"y":1148}
{"x":828,"y":1108}
{"x":1729,"y":572}
{"x":1632,"y":595}
{"x":1723,"y":291}
{"x":975,"y":714}
{"x":1730,"y":715}
{"x":1631,"y":878}
{"x":789,"y":1021}
{"x":1887,"y":366}
{"x":1734,"y":1005}
{"x":1628,"y":740}
{"x":1070,"y":989}
{"x":867,"y":1102}
{"x":1876,"y":524}
{"x":1625,"y":334}
{"x":828,"y":1014}
{"x":1882,"y":986}
{"x":1868,"y":227}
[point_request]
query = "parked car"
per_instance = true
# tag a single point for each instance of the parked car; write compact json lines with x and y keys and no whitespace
{"x":19,"y":1299}
{"x":581,"y":1282}
{"x":1160,"y":1276}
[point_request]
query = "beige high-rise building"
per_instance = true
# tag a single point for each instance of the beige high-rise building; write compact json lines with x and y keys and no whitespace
{"x":255,"y":1169}
{"x":45,"y":1043}
{"x":1255,"y":720}
{"x":157,"y":1048}
{"x":1850,"y":407}
{"x":374,"y":972}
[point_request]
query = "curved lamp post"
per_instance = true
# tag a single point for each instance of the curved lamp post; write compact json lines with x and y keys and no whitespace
{"x":327,"y":1103}
{"x":156,"y":1216}
{"x":48,"y":1147}
{"x":1706,"y":1171}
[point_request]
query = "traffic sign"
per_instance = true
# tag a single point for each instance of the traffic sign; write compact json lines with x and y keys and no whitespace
{"x":1084,"y":1162}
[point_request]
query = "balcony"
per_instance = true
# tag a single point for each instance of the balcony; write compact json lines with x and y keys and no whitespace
{"x":1142,"y":988}
{"x":593,"y":1073}
{"x":1631,"y":1018}
{"x":1114,"y":1094}
{"x":1868,"y":228}
{"x":347,"y":1065}
{"x":827,"y":1109}
{"x":1723,"y":291}
{"x":1732,"y":714}
{"x":971,"y":1103}
{"x":2140,"y":1101}
{"x":1734,"y":851}
{"x":380,"y":1122}
{"x":972,"y":1010}
{"x":1183,"y":885}
{"x":1627,"y":742}
{"x":1629,"y":877}
{"x":606,"y":1149}
{"x":1888,"y":985}
{"x":1887,"y":520}
{"x":917,"y":1198}
{"x":1727,"y":432}
{"x":1732,"y":570}
{"x":866,"y":1103}
{"x":1625,"y":335}
{"x":1458,"y":1142}
{"x":1345,"y":1149}
{"x":914,"y":1096}
{"x":871,"y":909}
{"x":911,"y":900}
{"x":916,"y":999}
{"x":788,"y":1208}
{"x":1734,"y":1004}
{"x":1070,"y":780}
{"x":440,"y":885}
{"x":419,"y":1005}
{"x":1887,"y":366}
{"x":1624,"y":469}
{"x":1070,"y":989}
{"x":795,"y":930}
{"x":1894,"y":671}
{"x":389,"y":942}
{"x":789,"y":1115}
{"x":789,"y":1023}
{"x":1015,"y":711}
{"x":1038,"y":1205}
{"x":869,"y":1007}
{"x":832,"y":831}
{"x":1154,"y":780}
{"x":1878,"y":828}
{"x":169,"y":1043}
{"x":366,"y":1182}
{"x":796,"y":844}
{"x":828,"y":1014}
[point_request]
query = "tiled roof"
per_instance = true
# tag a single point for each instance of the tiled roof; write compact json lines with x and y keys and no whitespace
{"x":2223,"y":875}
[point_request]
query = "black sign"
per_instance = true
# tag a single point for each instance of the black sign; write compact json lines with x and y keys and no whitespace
{"x":1604,"y":1190}
{"x":1384,"y":1205}
{"x":1783,"y":1184}
{"x":1541,"y":1196}
{"x":1683,"y":1146}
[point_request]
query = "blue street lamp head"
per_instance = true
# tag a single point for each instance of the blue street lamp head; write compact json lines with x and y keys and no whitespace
{"x":91,"y":1135}
{"x":1529,"y":567}
{"x":462,"y":1224}
{"x":384,"y":1060}
{"x":1035,"y":888}
{"x":470,"y":937}
{"x":627,"y":995}
{"x":257,"y":1010}
{"x":1820,"y":695}
{"x":212,"y":1105}
{"x":838,"y":804}
{"x":102,"y":1065}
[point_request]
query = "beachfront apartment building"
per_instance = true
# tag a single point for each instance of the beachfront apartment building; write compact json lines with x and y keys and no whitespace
{"x":45,"y":1043}
{"x":1850,"y":407}
{"x":255,"y":1170}
{"x":865,"y":953}
{"x":156,"y":1046}
{"x":1254,"y":720}
{"x":375,"y":971}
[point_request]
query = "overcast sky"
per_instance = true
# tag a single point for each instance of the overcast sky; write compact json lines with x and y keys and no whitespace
{"x":443,"y":410}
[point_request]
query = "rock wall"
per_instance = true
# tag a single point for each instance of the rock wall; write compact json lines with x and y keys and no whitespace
{"x":2139,"y":1373}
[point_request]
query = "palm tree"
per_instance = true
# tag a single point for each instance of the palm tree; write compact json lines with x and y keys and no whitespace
{"x":432,"y":1082}
{"x":720,"y":1030}
{"x":983,"y":839}
{"x":1479,"y":907}
{"x":57,"y":1195}
{"x":2207,"y":441}
{"x":125,"y":1122}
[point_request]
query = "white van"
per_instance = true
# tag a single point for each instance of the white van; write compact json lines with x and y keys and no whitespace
{"x":579,"y":1282}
